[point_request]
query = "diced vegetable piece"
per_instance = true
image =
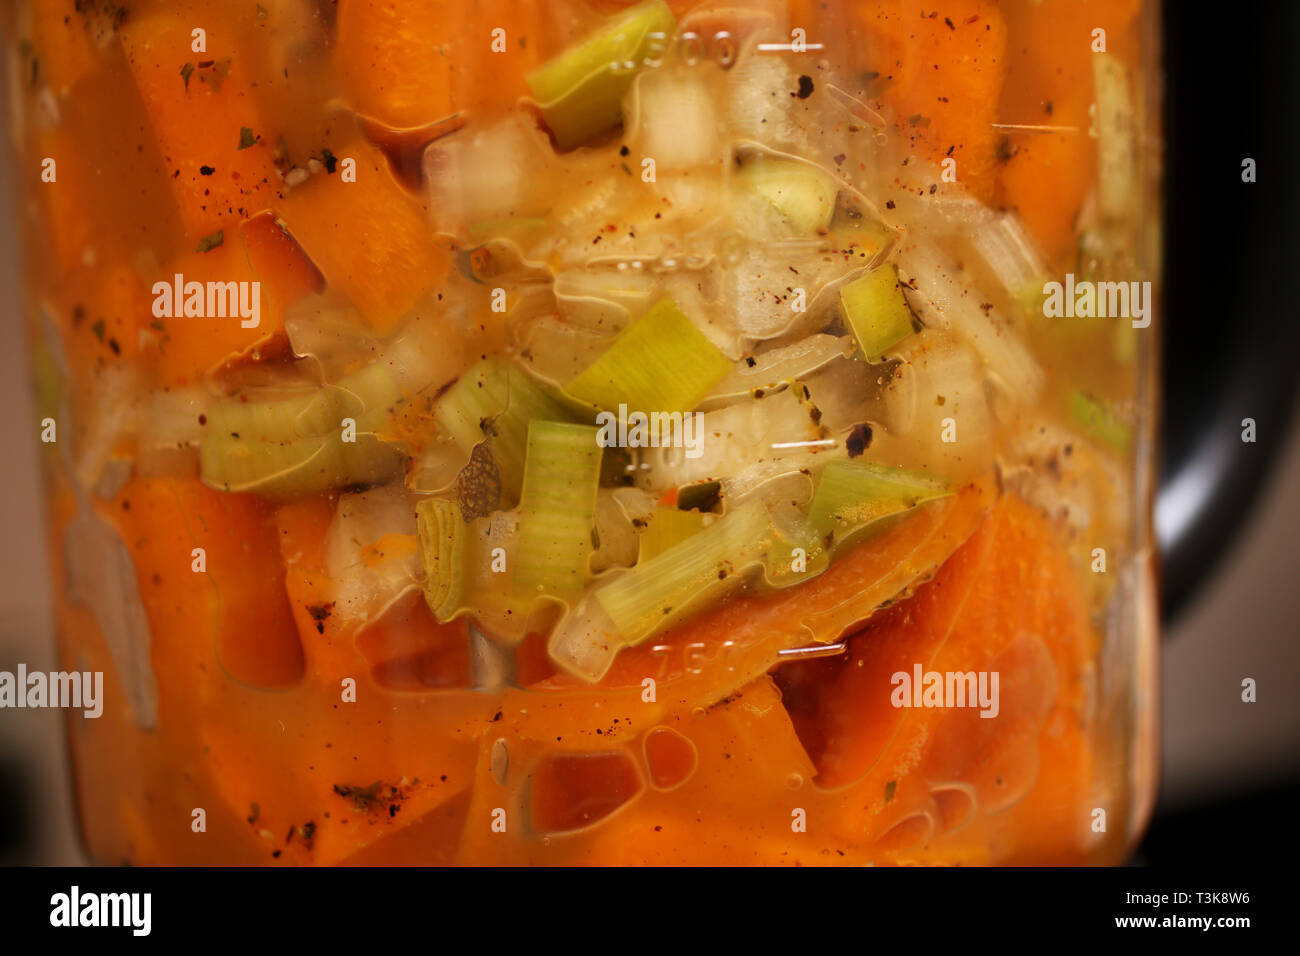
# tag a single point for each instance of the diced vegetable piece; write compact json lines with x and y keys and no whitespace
{"x":200,"y":122}
{"x":391,"y":69}
{"x":496,"y":400}
{"x":1096,"y":419}
{"x":557,"y":509}
{"x":668,"y":527}
{"x":444,"y":542}
{"x":852,"y":494}
{"x":800,"y":192}
{"x":305,"y":414}
{"x":659,"y":363}
{"x":672,"y":118}
{"x":279,"y":262}
{"x":876,"y":311}
{"x":390,"y":257}
{"x":653,"y":595}
{"x":580,"y":92}
{"x":281,"y":469}
{"x":1117,"y":181}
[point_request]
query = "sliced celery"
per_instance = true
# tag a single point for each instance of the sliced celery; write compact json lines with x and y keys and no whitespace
{"x":876,"y":311}
{"x":1096,"y":419}
{"x":496,"y":400}
{"x":667,"y":528}
{"x":853,"y":494}
{"x":800,"y":192}
{"x":557,"y":509}
{"x":580,"y":92}
{"x":281,"y":469}
{"x":659,"y":363}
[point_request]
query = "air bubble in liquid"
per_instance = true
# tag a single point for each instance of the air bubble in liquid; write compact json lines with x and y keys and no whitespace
{"x":794,"y":781}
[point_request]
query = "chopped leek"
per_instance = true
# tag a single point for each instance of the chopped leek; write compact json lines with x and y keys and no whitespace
{"x":876,"y":311}
{"x":659,"y":363}
{"x":657,"y":593}
{"x":1096,"y":419}
{"x":557,"y":509}
{"x":445,"y":543}
{"x":852,"y":494}
{"x":800,"y":192}
{"x":278,"y":469}
{"x":580,"y":92}
{"x":496,"y":399}
{"x":667,"y":528}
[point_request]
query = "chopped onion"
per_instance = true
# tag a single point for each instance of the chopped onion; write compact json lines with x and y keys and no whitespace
{"x":670,"y":117}
{"x":936,"y":404}
{"x":942,"y":296}
{"x":778,"y":365}
{"x":1011,"y":254}
{"x":372,"y":554}
{"x":497,"y":172}
{"x":777,"y":426}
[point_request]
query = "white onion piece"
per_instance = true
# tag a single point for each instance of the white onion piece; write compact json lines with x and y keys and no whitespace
{"x":937,"y":394}
{"x":1011,"y":254}
{"x":371,"y":552}
{"x":478,"y":175}
{"x":942,"y":296}
{"x":778,"y":365}
{"x":671,"y":118}
{"x":777,"y":426}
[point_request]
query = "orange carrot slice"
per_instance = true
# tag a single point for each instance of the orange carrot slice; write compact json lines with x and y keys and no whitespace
{"x":1008,"y":602}
{"x":395,"y":59}
{"x":943,"y":74}
{"x":371,"y":238}
{"x":285,"y":271}
{"x":210,"y":122}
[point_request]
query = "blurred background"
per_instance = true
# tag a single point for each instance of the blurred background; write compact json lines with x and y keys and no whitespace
{"x":1229,"y":515}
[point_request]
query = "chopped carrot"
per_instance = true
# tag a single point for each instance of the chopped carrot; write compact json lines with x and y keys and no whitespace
{"x":62,"y":43}
{"x":164,"y":520}
{"x":285,"y":271}
{"x":208,"y":121}
{"x":395,"y":59}
{"x":1008,"y":602}
{"x":189,"y":346}
{"x":942,"y":73}
{"x":372,"y":240}
{"x":1047,"y":176}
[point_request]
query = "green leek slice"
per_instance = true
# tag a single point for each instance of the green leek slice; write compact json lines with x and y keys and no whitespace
{"x":803,"y":194}
{"x":667,"y":528}
{"x":659,"y":363}
{"x":445,"y":540}
{"x":282,"y":469}
{"x":851,"y":495}
{"x":1099,"y":421}
{"x":496,"y":400}
{"x":580,"y":92}
{"x":876,"y":311}
{"x":557,"y":509}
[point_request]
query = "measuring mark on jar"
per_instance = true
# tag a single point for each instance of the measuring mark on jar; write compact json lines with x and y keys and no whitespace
{"x":1027,"y":128}
{"x":811,"y":651}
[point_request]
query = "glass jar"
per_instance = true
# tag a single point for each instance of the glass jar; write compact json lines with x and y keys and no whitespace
{"x":592,"y":433}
